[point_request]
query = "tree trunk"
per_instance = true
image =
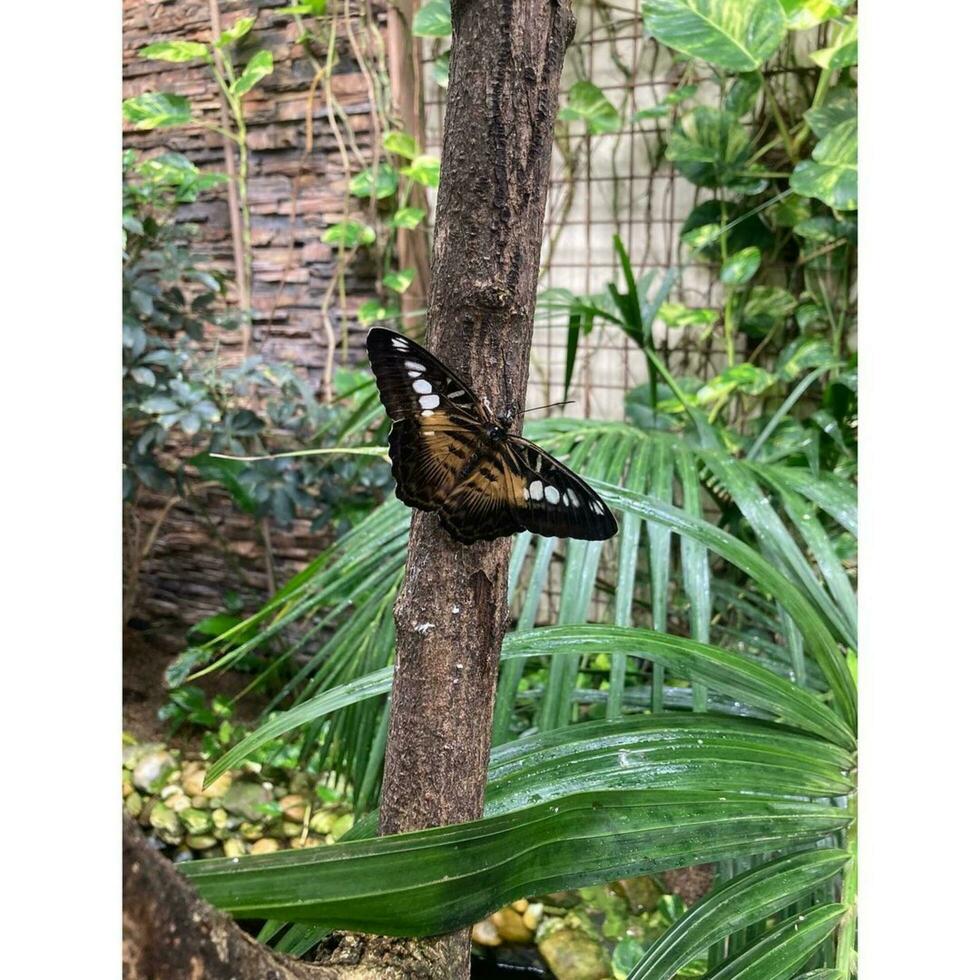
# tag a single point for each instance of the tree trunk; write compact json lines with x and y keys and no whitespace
{"x":405,"y":72}
{"x":169,"y":933}
{"x":451,"y":613}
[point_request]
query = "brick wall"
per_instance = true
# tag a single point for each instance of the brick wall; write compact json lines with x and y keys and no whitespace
{"x":205,"y":547}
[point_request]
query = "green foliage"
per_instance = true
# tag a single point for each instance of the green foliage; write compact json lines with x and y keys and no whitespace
{"x":155,"y":110}
{"x":737,"y":35}
{"x":711,"y":149}
{"x":433,"y":19}
{"x":407,"y":218}
{"x":423,"y":170}
{"x":169,"y":297}
{"x":175,"y":51}
{"x":236,"y":32}
{"x":739,"y":903}
{"x":402,"y":144}
{"x":831,"y":175}
{"x":259,"y":65}
{"x":739,"y":268}
{"x":379,"y":182}
{"x":171,"y":384}
{"x":586,"y":102}
{"x":747,"y":673}
{"x":801,"y":15}
{"x":349,"y":234}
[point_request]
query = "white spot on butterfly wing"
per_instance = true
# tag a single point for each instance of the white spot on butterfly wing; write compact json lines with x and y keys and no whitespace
{"x":551,"y":495}
{"x":572,"y":497}
{"x":536,"y":490}
{"x":429,"y":401}
{"x":414,"y":366}
{"x":526,"y":494}
{"x":422,"y":386}
{"x":415,"y":374}
{"x":399,"y":343}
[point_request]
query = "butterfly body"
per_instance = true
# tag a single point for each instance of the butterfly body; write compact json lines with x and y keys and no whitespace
{"x":451,"y":455}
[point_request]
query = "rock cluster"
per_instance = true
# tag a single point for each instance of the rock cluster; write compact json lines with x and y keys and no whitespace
{"x":239,"y":813}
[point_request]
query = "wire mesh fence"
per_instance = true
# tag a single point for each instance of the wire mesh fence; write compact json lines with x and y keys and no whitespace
{"x":603,"y":185}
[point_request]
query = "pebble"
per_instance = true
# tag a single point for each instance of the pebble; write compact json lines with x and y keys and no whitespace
{"x":321,"y":822}
{"x":251,"y":831}
{"x":151,"y":770}
{"x":511,"y":926}
{"x":532,"y":916}
{"x":196,"y":821}
{"x":572,"y":955}
{"x":134,"y":803}
{"x":245,"y":798}
{"x":219,"y":787}
{"x":485,"y":933}
{"x":293,"y":807}
{"x":265,"y":845}
{"x":166,"y":823}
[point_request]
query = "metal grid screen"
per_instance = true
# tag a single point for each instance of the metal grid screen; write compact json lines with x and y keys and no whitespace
{"x":601,"y":185}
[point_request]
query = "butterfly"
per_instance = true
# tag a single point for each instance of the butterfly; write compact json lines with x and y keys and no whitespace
{"x":450,"y":455}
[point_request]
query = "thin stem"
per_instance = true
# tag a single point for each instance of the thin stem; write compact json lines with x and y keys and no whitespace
{"x":220,"y":69}
{"x":780,"y":121}
{"x":730,"y":328}
{"x":823,"y":84}
{"x":794,"y":396}
{"x":847,"y":930}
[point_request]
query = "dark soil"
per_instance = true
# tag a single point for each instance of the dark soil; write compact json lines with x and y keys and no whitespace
{"x":146,"y":655}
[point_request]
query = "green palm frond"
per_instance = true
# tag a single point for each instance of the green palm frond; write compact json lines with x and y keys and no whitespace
{"x":337,"y":613}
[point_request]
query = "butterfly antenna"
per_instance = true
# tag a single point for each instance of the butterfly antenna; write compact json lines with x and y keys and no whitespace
{"x":540,"y":407}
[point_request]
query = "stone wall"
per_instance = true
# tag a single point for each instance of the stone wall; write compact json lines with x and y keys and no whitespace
{"x":204,"y":546}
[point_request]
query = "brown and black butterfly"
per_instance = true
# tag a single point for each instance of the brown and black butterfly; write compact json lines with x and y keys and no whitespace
{"x":450,"y":455}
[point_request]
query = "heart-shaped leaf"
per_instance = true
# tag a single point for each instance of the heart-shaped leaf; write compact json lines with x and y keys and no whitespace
{"x":433,"y":19}
{"x":586,"y":101}
{"x":259,"y":65}
{"x":735,"y":34}
{"x":831,"y":176}
{"x":739,"y":268}
{"x":154,"y":110}
{"x":175,"y":51}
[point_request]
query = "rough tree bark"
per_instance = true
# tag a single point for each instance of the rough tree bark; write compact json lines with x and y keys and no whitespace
{"x":450,"y":615}
{"x":169,"y":933}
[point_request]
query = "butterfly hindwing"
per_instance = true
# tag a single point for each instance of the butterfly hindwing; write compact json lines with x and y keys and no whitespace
{"x":553,"y":501}
{"x":428,"y":456}
{"x":481,"y":506}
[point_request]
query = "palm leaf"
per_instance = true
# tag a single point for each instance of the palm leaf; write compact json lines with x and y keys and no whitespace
{"x":742,"y":901}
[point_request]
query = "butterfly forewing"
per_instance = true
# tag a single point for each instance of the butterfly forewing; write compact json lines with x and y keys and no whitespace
{"x":412,"y":382}
{"x":449,"y":455}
